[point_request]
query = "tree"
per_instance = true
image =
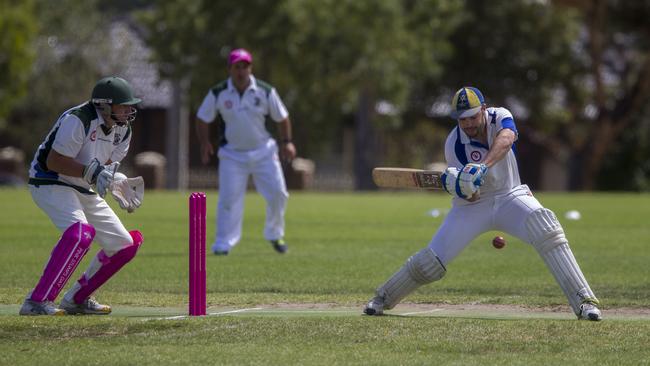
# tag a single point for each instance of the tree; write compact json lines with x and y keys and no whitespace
{"x":17,"y":30}
{"x":72,"y":48}
{"x":331,"y":60}
{"x":619,"y":70}
{"x":576,"y":73}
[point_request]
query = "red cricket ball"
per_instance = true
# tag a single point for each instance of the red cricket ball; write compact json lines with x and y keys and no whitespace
{"x":498,"y":242}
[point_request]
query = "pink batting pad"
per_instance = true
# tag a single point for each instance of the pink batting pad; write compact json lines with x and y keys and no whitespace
{"x":65,"y":257}
{"x":110,"y":266}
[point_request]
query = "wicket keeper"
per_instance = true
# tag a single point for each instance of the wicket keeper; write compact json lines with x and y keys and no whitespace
{"x":71,"y":173}
{"x":483,"y":178}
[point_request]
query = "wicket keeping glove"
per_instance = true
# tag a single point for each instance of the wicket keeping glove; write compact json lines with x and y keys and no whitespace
{"x":470,"y":179}
{"x":128,"y":192}
{"x":100,"y":175}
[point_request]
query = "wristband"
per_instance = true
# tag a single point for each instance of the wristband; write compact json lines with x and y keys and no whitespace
{"x":286,"y":141}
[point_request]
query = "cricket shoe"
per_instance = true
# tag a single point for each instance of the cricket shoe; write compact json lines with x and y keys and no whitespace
{"x":90,"y":306}
{"x":375,"y":306}
{"x":219,"y":251}
{"x":31,"y":307}
{"x":589,"y":311}
{"x":279,"y":245}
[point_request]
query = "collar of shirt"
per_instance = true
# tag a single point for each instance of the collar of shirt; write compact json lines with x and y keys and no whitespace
{"x":251,"y":86}
{"x":102,"y":125}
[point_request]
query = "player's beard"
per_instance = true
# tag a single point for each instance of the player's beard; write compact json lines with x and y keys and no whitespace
{"x":471,"y":132}
{"x":474,"y":132}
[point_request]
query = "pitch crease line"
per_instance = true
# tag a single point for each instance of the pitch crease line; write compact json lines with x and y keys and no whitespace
{"x":215,"y":314}
{"x":422,"y":312}
{"x":235,"y":311}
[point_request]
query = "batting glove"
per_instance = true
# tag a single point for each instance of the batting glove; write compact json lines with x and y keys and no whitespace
{"x":448,"y":179}
{"x":470,"y":179}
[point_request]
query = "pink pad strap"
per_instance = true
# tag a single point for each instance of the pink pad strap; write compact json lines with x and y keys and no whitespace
{"x":110,"y":266}
{"x":65,"y":257}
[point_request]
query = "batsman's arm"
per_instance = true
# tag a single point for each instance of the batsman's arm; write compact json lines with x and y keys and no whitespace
{"x":500,"y":147}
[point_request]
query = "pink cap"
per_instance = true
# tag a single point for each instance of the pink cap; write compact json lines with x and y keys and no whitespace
{"x":238,"y":55}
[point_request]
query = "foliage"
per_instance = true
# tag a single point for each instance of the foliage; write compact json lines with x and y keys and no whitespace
{"x":73,"y":48}
{"x":17,"y":30}
{"x":575,"y":74}
{"x":318,"y":54}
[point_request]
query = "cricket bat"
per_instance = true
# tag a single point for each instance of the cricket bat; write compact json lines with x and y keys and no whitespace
{"x":407,"y":178}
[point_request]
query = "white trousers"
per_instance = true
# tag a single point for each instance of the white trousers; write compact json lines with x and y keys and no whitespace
{"x":234,"y":169}
{"x":507,"y":212}
{"x":65,"y":206}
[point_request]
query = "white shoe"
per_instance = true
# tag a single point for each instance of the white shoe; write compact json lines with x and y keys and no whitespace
{"x":375,"y":306}
{"x":589,"y":311}
{"x":89,"y":307}
{"x":31,"y":307}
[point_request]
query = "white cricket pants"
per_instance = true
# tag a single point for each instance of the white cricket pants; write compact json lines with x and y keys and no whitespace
{"x":506,"y":212}
{"x":234,"y":169}
{"x":65,"y":206}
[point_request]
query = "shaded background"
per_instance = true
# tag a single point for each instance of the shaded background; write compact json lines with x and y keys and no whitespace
{"x":367,"y":83}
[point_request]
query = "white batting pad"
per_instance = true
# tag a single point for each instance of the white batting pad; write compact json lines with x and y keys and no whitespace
{"x":548,"y":238}
{"x":561,"y":262}
{"x":422,"y":268}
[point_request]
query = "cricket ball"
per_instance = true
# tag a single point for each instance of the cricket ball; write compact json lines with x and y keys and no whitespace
{"x":498,"y":242}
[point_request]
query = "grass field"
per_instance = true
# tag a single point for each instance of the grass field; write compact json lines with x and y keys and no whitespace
{"x":493,"y":307}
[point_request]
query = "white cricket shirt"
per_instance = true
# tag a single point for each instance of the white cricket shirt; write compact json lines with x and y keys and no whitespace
{"x":78,"y":134}
{"x":243,"y":115}
{"x":460,"y":150}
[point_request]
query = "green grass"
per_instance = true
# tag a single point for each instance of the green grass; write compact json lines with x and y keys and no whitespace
{"x":342,"y":246}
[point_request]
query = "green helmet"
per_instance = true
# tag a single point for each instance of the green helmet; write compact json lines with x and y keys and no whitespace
{"x":114,"y":90}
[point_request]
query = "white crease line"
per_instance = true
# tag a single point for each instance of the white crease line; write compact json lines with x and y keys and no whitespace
{"x":235,"y":311}
{"x":422,"y":312}
{"x":210,"y":314}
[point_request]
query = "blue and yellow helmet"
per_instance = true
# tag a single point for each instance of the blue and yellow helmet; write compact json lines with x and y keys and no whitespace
{"x":466,"y":102}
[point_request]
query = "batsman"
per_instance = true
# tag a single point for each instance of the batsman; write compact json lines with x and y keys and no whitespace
{"x":483,"y":178}
{"x":72,"y":171}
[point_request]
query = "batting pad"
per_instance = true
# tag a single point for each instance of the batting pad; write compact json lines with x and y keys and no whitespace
{"x":422,"y":268}
{"x":548,"y":239}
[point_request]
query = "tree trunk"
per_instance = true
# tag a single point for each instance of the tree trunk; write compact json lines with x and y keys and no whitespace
{"x":365,"y":142}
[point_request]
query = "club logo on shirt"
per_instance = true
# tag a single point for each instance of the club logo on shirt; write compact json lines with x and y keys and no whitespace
{"x":476,"y":155}
{"x":257,"y":101}
{"x":228,"y":104}
{"x":116,"y":140}
{"x":93,"y":135}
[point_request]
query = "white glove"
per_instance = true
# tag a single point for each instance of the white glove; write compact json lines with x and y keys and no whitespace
{"x":449,"y":178}
{"x":470,"y":179}
{"x":127,"y":192}
{"x":100,"y":175}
